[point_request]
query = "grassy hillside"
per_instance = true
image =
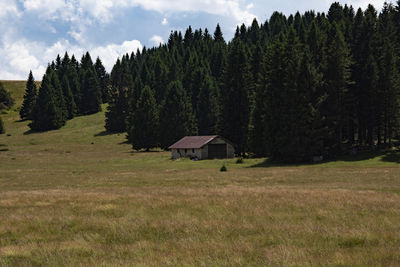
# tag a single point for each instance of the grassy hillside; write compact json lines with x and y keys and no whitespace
{"x":17,"y":89}
{"x":78,"y":196}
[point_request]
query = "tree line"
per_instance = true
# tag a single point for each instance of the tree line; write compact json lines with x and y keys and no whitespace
{"x":68,"y":88}
{"x":290,"y":88}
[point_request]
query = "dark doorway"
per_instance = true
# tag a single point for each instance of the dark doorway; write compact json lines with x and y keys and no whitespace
{"x":217,"y":151}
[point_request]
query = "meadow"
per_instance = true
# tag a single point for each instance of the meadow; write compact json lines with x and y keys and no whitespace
{"x":79,"y":196}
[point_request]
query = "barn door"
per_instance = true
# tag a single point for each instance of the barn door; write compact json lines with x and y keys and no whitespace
{"x":217,"y":151}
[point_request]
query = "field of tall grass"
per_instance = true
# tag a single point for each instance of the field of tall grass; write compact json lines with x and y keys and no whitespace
{"x":80,"y":196}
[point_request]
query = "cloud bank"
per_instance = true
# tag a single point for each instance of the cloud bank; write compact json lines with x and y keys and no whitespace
{"x":22,"y":56}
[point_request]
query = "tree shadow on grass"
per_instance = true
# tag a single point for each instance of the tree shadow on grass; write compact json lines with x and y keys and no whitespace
{"x":392,"y":156}
{"x":269,"y":163}
{"x":30,"y":132}
{"x":104,"y":133}
{"x":144,"y":151}
{"x":386,"y":156}
{"x":124,"y":143}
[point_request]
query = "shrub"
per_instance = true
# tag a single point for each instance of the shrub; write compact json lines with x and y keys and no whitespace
{"x":6,"y":101}
{"x":223,"y":168}
{"x":239,"y":160}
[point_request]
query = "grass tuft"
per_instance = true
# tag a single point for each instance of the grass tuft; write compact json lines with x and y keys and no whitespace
{"x":240,"y":161}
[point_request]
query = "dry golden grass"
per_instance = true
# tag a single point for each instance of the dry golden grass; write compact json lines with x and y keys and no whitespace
{"x":65,"y":201}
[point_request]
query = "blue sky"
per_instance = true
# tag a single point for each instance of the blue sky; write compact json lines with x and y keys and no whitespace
{"x":33,"y":32}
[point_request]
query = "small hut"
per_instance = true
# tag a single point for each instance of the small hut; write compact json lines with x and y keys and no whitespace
{"x":203,"y":147}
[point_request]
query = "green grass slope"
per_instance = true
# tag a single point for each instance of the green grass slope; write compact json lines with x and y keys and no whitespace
{"x":17,"y":90}
{"x":79,"y":196}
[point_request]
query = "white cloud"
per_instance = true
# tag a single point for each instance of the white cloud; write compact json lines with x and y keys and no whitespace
{"x":103,"y":10}
{"x":156,"y":40}
{"x":8,"y":7}
{"x":24,"y":55}
{"x":99,"y":9}
{"x":78,"y":36}
{"x":109,"y":54}
{"x":250,"y":6}
{"x":164,"y":22}
{"x":217,"y":7}
{"x":48,"y":8}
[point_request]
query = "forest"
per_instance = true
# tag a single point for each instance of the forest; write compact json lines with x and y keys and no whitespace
{"x":291,"y":88}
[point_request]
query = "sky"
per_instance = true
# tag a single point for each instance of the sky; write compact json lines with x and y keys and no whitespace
{"x":33,"y":32}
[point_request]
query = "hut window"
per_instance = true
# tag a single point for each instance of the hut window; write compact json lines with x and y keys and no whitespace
{"x":179,"y":151}
{"x":193,"y":150}
{"x":185,"y":150}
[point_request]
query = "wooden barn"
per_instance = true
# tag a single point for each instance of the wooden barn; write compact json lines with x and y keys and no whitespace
{"x":203,"y":147}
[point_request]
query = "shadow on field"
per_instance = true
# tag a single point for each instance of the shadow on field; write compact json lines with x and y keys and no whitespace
{"x":143,"y":151}
{"x":268,"y":163}
{"x":124,"y":143}
{"x":385,"y":156}
{"x":104,"y":133}
{"x":393,"y":156}
{"x":29,"y":132}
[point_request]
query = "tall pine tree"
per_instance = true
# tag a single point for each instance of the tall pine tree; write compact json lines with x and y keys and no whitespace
{"x":29,"y":98}
{"x":176,"y":115}
{"x":143,"y":127}
{"x":234,"y":97}
{"x":48,"y":113}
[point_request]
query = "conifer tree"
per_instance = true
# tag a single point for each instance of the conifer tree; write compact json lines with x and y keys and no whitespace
{"x":337,"y":77}
{"x":57,"y":64}
{"x":160,"y":79}
{"x":90,"y":93}
{"x":258,"y":140}
{"x":218,"y":54}
{"x":389,"y":80}
{"x":64,"y":67}
{"x":120,"y":105}
{"x":71,"y":107}
{"x":143,"y":127}
{"x":218,"y":36}
{"x":117,"y":110}
{"x":75,"y":86}
{"x":308,"y":130}
{"x":47,"y":113}
{"x":86,"y":62}
{"x":176,"y":115}
{"x":103,"y":79}
{"x":29,"y":98}
{"x":234,"y":97}
{"x":207,"y":106}
{"x":59,"y":95}
{"x":287,"y":99}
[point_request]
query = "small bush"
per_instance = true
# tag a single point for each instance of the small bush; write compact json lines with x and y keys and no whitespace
{"x":223,"y":168}
{"x":6,"y":101}
{"x":239,"y":160}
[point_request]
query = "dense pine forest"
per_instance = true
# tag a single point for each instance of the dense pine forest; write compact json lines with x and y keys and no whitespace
{"x":291,"y":88}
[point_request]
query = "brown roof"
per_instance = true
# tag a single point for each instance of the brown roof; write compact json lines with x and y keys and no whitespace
{"x":189,"y":142}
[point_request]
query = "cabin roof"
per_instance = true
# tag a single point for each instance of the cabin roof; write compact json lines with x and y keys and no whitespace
{"x":190,"y":142}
